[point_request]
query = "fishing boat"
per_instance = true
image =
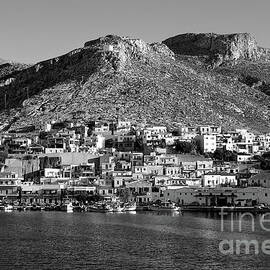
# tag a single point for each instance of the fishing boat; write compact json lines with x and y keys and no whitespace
{"x":19,"y":207}
{"x":165,"y":206}
{"x":8,"y":208}
{"x":117,"y":207}
{"x":143,"y":208}
{"x":129,"y":207}
{"x":100,"y":207}
{"x":49,"y":207}
{"x":67,"y":207}
{"x":35,"y":207}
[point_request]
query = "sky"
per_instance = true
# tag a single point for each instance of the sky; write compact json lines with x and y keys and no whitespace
{"x":35,"y":30}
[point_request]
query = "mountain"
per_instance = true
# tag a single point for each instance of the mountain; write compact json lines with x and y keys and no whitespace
{"x":9,"y":69}
{"x":186,"y":79}
{"x":2,"y":61}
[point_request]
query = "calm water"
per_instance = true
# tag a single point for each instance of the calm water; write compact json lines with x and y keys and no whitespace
{"x":56,"y":240}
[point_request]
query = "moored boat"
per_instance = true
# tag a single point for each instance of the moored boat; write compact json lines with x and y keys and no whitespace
{"x":129,"y":207}
{"x":28,"y":207}
{"x":35,"y":207}
{"x":8,"y":208}
{"x":117,"y":207}
{"x":67,"y":207}
{"x":143,"y":208}
{"x":19,"y":208}
{"x":49,"y":207}
{"x":100,"y":207}
{"x":79,"y":208}
{"x":165,"y":206}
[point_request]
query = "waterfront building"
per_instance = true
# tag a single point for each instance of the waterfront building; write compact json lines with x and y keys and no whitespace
{"x":214,"y":179}
{"x":9,"y":183}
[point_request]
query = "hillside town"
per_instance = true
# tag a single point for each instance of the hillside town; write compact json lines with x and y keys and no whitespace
{"x":78,"y":163}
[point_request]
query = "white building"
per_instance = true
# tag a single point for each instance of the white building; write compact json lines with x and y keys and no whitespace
{"x":207,"y":143}
{"x":214,"y":179}
{"x":242,"y":157}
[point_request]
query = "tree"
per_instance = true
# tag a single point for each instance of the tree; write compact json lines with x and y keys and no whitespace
{"x":183,"y":147}
{"x":225,"y":155}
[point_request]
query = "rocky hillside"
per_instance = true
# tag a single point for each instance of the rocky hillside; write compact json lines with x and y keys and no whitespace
{"x":8,"y":70}
{"x":184,"y":80}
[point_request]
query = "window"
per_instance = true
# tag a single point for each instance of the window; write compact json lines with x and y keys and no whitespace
{"x":266,"y":194}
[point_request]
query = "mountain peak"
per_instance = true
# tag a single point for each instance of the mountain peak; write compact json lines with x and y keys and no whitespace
{"x":220,"y":48}
{"x":122,"y":49}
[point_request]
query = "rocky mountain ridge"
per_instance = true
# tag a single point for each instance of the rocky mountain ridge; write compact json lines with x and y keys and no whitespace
{"x":161,"y":83}
{"x":220,"y":49}
{"x":2,"y":61}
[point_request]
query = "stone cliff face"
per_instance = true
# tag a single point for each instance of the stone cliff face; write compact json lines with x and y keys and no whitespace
{"x":219,"y":48}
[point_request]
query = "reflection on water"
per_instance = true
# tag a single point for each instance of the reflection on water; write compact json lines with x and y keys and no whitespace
{"x":142,"y":240}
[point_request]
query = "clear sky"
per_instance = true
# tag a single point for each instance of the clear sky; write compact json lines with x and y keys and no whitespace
{"x":35,"y":30}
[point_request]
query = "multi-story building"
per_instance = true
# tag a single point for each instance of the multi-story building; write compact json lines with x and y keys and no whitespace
{"x":207,"y":143}
{"x":9,"y":186}
{"x":214,"y":179}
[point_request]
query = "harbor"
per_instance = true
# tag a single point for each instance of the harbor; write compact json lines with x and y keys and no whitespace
{"x":34,"y":240}
{"x":100,"y":206}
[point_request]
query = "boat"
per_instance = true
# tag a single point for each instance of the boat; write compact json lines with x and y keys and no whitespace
{"x":117,"y":207}
{"x":129,"y":207}
{"x":49,"y":207}
{"x":67,"y":207}
{"x":19,"y":207}
{"x":165,"y":206}
{"x":100,"y":207}
{"x":35,"y":207}
{"x":143,"y":208}
{"x":79,"y":208}
{"x":8,"y":208}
